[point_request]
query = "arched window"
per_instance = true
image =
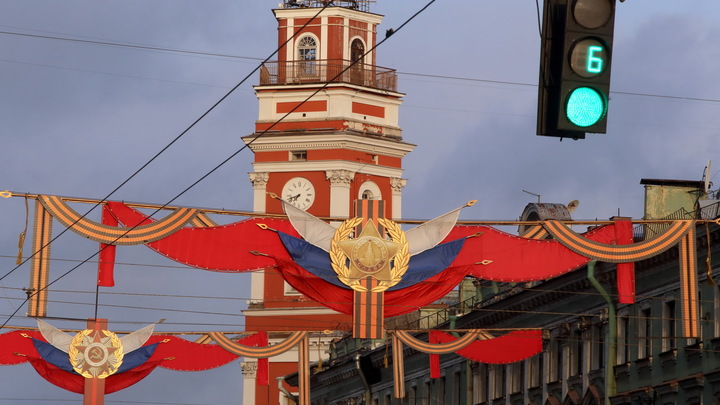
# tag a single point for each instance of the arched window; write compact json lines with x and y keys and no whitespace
{"x":357,"y":54}
{"x":369,"y":190}
{"x":307,"y":48}
{"x":307,"y":55}
{"x":357,"y":51}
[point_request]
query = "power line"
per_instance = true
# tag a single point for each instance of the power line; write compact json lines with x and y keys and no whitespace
{"x":228,"y":158}
{"x":153,"y":159}
{"x":251,"y":58}
{"x":129,"y":46}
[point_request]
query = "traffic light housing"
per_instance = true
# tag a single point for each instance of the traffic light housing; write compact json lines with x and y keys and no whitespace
{"x":575,"y":63}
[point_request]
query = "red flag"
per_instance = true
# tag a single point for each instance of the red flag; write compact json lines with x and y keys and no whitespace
{"x":106,"y":264}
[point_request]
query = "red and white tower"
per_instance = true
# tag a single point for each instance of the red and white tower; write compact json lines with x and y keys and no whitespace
{"x":341,"y":145}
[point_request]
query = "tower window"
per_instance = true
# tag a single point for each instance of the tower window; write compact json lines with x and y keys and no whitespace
{"x":357,"y":54}
{"x":298,"y":155}
{"x":357,"y":51}
{"x":307,"y":55}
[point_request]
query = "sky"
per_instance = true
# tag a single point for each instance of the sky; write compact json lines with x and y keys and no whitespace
{"x":78,"y":117}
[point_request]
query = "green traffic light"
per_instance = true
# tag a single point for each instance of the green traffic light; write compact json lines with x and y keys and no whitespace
{"x":585,"y":107}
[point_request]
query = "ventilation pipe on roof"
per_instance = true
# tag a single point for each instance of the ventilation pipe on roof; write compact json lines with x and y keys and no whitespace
{"x":610,"y":385}
{"x":282,"y":389}
{"x":368,"y":393}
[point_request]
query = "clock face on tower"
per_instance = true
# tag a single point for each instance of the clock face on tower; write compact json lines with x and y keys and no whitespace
{"x":299,"y":192}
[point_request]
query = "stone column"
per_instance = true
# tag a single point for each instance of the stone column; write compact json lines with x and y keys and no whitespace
{"x":249,"y":370}
{"x":257,"y":279}
{"x":340,"y":192}
{"x":259,"y":182}
{"x":397,"y":184}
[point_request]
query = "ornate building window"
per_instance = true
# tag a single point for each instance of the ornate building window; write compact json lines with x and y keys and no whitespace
{"x":623,"y":338}
{"x":644,"y":333}
{"x":357,"y":53}
{"x":480,"y":384}
{"x":369,"y":190}
{"x":669,"y":326}
{"x":300,"y":155}
{"x":307,"y":51}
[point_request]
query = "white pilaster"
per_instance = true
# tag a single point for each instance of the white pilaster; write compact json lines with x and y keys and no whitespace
{"x":249,"y":370}
{"x":259,"y":181}
{"x":397,"y":185}
{"x":339,"y":192}
{"x":324,"y":40}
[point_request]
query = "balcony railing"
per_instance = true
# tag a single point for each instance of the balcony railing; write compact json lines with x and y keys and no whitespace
{"x":323,"y":71}
{"x":361,"y":5}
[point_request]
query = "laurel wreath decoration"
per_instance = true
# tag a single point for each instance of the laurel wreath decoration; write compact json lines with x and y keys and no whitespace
{"x":91,"y":368}
{"x":337,"y":257}
{"x":400,"y":260}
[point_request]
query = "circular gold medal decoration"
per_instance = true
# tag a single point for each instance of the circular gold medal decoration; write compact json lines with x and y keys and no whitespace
{"x":96,"y":353}
{"x":369,"y":255}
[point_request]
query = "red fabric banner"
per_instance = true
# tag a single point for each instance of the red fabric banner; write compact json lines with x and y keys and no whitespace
{"x":106,"y":263}
{"x":173,"y":353}
{"x":499,"y":256}
{"x":509,"y":348}
{"x":14,"y":342}
{"x":625,"y":271}
{"x":263,"y":370}
{"x":76,"y":383}
{"x":397,"y":302}
{"x":184,"y":355}
{"x":434,"y":358}
{"x":224,"y":248}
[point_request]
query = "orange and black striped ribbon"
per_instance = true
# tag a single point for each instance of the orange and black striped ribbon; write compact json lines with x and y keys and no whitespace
{"x":368,"y":318}
{"x":304,"y":371}
{"x":368,"y":307}
{"x":112,"y":235}
{"x":535,"y":232}
{"x":688,"y":285}
{"x":40,"y":266}
{"x":619,"y":253}
{"x":439,"y":348}
{"x":398,"y":366}
{"x":369,"y":210}
{"x":202,"y":220}
{"x":257,"y":352}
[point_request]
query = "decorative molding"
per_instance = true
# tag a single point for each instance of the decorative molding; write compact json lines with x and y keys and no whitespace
{"x":249,"y":369}
{"x":376,"y":145}
{"x":339,"y":177}
{"x":327,"y":165}
{"x":259,"y":180}
{"x":397,"y":184}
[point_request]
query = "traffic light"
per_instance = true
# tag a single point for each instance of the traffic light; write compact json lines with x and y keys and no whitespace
{"x":575,"y":61}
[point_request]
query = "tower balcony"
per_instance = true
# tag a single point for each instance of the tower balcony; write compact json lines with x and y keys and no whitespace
{"x":324,"y":71}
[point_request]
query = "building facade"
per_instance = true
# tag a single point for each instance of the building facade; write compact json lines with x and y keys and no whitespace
{"x":594,"y":349}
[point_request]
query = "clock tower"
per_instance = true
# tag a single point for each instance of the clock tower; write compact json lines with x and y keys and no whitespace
{"x":327,"y":134}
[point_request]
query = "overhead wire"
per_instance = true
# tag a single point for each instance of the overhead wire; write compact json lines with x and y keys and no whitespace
{"x":132,"y":46}
{"x":172,"y":142}
{"x":110,"y":293}
{"x":247,"y":145}
{"x":407,"y":73}
{"x":192,"y":125}
{"x":252,"y":58}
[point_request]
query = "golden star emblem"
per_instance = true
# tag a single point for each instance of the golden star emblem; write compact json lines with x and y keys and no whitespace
{"x":96,"y":353}
{"x":369,"y":254}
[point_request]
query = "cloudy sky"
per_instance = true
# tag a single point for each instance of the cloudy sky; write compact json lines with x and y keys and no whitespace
{"x":79,"y":116}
